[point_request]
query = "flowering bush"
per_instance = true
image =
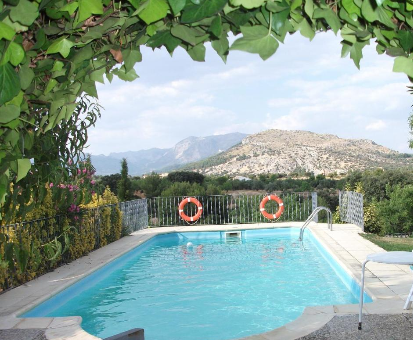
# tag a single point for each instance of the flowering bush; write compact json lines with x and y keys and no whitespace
{"x":77,"y":190}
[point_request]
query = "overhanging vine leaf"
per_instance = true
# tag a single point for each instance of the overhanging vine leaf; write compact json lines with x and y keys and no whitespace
{"x":23,"y":167}
{"x":256,"y":39}
{"x":404,"y":65}
{"x":9,"y":83}
{"x":62,"y":46}
{"x":205,"y":9}
{"x":153,"y":10}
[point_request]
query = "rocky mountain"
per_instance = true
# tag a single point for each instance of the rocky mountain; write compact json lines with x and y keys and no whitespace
{"x":280,"y":151}
{"x":188,"y":150}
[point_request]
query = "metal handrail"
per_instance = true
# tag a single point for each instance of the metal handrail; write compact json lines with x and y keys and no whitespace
{"x":310,"y":218}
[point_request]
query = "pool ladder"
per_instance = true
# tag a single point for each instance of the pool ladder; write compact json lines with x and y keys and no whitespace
{"x":310,"y":218}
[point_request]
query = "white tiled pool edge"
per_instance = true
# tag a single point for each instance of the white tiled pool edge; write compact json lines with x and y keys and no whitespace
{"x":387,"y":284}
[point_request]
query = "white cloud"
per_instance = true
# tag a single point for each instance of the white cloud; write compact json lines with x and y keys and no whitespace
{"x":376,"y":126}
{"x":304,"y":86}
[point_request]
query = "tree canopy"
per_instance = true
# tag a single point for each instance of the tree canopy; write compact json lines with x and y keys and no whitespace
{"x":52,"y":53}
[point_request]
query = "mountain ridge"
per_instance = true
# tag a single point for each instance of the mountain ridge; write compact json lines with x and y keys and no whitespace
{"x":187,"y":150}
{"x":283,"y":151}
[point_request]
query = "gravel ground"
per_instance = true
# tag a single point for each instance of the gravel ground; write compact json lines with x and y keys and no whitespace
{"x":377,"y":327}
{"x":22,"y":334}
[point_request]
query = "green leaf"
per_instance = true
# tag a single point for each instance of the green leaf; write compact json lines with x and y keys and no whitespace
{"x":406,"y":40}
{"x":221,"y":46}
{"x":26,"y":76}
{"x":23,"y":167}
{"x":50,"y":85}
{"x":185,"y":33}
{"x":22,"y":257}
{"x":177,"y":5}
{"x":376,"y":14}
{"x":25,"y":12}
{"x":384,"y":18}
{"x":70,"y":109}
{"x":403,"y":65}
{"x":14,"y":54}
{"x":395,"y":52}
{"x":153,"y":10}
{"x":256,"y":40}
{"x":247,"y":3}
{"x":62,"y":46}
{"x":131,"y":57}
{"x":135,"y":3}
{"x":331,"y":18}
{"x":58,"y":66}
{"x":9,"y":83}
{"x":87,"y":8}
{"x":276,"y":7}
{"x":356,"y":52}
{"x":207,"y":8}
{"x":309,"y":8}
{"x":197,"y":52}
{"x":97,"y":75}
{"x":216,"y":27}
{"x":123,"y":75}
{"x":306,"y":30}
{"x":295,"y":4}
{"x":17,"y":100}
{"x":351,"y":7}
{"x":90,"y":88}
{"x":70,"y":7}
{"x":8,"y":113}
{"x":6,"y":32}
{"x":279,"y":19}
{"x":164,"y":38}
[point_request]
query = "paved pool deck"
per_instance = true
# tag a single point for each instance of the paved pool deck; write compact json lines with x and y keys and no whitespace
{"x":388,"y":285}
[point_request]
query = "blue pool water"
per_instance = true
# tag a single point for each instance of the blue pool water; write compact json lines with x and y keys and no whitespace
{"x":215,"y":289}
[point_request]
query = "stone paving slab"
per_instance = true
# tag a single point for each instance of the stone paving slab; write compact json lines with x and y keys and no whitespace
{"x":375,"y":327}
{"x":22,"y":334}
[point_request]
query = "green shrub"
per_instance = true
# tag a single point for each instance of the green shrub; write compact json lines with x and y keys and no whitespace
{"x":36,"y":247}
{"x":371,"y":219}
{"x":395,"y":214}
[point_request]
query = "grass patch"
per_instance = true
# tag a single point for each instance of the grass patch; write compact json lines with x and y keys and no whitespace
{"x":390,"y":243}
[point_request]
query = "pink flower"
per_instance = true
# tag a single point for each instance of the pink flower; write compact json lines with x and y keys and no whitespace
{"x":92,"y":182}
{"x":69,"y":162}
{"x":78,"y":171}
{"x":51,"y":185}
{"x":84,"y":171}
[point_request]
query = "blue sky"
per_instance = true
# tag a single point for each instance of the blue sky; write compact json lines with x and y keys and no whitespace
{"x":304,"y":86}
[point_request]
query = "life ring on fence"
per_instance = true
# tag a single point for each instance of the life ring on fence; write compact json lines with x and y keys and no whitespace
{"x":183,"y":203}
{"x":280,"y":207}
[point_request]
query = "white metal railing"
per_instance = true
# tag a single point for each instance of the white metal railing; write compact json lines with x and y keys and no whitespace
{"x":229,"y":209}
{"x":311,"y":217}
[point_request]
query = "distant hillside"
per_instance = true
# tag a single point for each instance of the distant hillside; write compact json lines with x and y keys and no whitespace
{"x":188,"y":150}
{"x":280,"y":151}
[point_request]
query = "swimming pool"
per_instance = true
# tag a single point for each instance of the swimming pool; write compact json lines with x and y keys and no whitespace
{"x":217,"y":288}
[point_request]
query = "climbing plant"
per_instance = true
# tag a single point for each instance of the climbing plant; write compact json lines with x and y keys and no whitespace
{"x":52,"y":53}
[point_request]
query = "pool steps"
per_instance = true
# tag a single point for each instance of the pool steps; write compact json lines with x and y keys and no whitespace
{"x":313,"y":214}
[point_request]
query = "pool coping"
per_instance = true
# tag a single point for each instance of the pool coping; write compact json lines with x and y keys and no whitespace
{"x":388,"y":285}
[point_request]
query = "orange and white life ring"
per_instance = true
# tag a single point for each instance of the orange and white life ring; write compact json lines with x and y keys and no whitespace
{"x":185,"y":217}
{"x":280,"y":207}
